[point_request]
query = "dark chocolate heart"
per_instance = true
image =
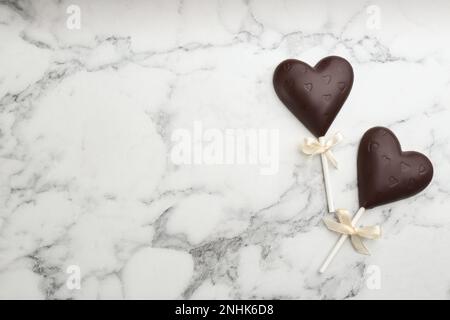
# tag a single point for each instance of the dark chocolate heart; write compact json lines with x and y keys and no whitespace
{"x":314,"y":95}
{"x":385,"y":172}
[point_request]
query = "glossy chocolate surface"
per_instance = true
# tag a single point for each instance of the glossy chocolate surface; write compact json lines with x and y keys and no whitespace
{"x":385,"y":172}
{"x":314,"y":95}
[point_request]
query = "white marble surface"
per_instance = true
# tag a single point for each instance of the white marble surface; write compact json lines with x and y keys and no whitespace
{"x":86,"y":120}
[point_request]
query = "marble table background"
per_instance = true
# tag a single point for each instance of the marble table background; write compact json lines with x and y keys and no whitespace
{"x":87,"y":116}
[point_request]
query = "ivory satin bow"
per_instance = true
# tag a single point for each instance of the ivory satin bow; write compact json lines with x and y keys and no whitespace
{"x":344,"y":226}
{"x":313,"y":146}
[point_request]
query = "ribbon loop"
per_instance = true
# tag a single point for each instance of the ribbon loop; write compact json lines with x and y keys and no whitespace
{"x":313,"y":146}
{"x":345,"y":226}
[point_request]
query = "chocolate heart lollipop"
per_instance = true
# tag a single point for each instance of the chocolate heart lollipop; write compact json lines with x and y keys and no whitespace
{"x":314,"y":95}
{"x":385,"y":172}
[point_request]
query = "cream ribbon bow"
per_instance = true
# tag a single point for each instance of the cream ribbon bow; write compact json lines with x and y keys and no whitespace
{"x":313,"y":146}
{"x":344,"y":226}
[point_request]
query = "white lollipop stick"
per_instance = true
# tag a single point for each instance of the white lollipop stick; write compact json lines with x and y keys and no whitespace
{"x":322,"y":146}
{"x":341,"y":241}
{"x":326,"y":178}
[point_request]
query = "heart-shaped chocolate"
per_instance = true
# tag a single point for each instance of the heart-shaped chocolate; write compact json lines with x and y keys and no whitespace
{"x":385,"y":172}
{"x":314,"y":95}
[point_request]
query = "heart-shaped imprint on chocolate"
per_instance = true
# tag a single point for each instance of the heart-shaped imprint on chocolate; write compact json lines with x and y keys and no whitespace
{"x":385,"y":172}
{"x":314,"y":95}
